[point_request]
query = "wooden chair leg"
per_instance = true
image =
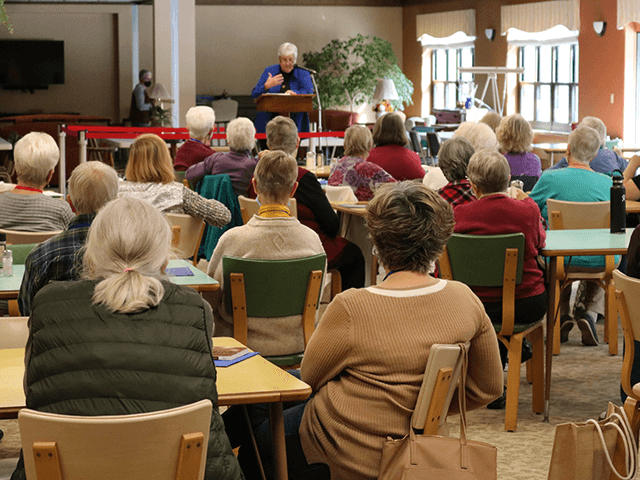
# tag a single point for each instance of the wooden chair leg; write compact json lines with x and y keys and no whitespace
{"x":336,"y":282}
{"x":513,"y":383}
{"x":556,"y":324}
{"x":611,"y":317}
{"x":632,"y":409}
{"x":537,"y":370}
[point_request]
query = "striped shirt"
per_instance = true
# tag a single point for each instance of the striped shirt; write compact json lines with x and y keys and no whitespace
{"x":33,"y":213}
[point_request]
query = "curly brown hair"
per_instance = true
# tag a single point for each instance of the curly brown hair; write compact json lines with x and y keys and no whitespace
{"x":409,"y":224}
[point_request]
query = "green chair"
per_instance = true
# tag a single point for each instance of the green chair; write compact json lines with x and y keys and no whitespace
{"x":496,"y":261}
{"x":20,"y":252}
{"x":273,"y":288}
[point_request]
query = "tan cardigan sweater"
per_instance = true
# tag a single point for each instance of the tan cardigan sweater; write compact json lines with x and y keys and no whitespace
{"x":366,"y":360}
{"x":266,"y":239}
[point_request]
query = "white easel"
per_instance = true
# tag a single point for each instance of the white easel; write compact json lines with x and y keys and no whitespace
{"x":492,"y":77}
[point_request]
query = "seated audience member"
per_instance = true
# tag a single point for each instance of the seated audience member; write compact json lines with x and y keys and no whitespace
{"x":26,"y":208}
{"x":515,"y":137}
{"x":150,"y":176}
{"x":91,"y":185}
{"x":272,"y":234}
{"x":124,"y":339}
{"x":200,"y":122}
{"x":314,"y":210}
{"x":353,"y":169}
{"x":578,"y":183}
{"x":633,"y":270}
{"x":390,"y":139}
{"x":606,"y":161}
{"x":492,"y":119}
{"x":479,"y":135}
{"x":360,"y":396}
{"x":238,"y":163}
{"x":631,"y":180}
{"x":496,"y":213}
{"x":453,"y":159}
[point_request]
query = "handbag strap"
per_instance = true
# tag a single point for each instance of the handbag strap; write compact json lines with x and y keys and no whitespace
{"x":628,"y":440}
{"x":462,"y":404}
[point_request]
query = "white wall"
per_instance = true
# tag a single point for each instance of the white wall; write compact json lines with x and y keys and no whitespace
{"x":235,"y":44}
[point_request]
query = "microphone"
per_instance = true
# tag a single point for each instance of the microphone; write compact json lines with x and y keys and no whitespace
{"x":304,"y":68}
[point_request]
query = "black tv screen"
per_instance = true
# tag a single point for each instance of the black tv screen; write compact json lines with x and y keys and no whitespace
{"x":31,"y":64}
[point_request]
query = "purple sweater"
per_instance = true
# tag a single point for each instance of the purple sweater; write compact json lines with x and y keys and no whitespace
{"x":524,"y":163}
{"x":238,"y":165}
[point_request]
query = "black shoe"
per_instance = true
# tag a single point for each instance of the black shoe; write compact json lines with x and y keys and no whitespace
{"x":587,"y":326}
{"x":500,"y":402}
{"x":566,"y":325}
{"x":1,"y":434}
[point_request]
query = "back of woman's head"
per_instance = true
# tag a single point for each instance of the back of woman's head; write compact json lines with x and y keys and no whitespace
{"x":126,"y":251}
{"x":241,"y":134}
{"x":453,"y":158}
{"x":598,"y":125}
{"x":389,"y":130}
{"x":410,"y":224}
{"x":489,"y":171}
{"x":275,"y":175}
{"x":357,"y":141}
{"x":492,"y":119}
{"x":479,"y":135}
{"x":35,"y":155}
{"x":514,"y":134}
{"x":149,"y":160}
{"x":200,"y":121}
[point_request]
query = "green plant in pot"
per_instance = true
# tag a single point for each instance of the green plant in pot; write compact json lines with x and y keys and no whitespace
{"x":160,"y":117}
{"x":349,"y":70}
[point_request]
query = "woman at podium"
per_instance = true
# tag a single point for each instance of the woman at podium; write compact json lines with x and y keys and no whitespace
{"x":285,"y":77}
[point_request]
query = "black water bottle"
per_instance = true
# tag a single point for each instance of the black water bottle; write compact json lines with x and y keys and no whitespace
{"x":618,"y":207}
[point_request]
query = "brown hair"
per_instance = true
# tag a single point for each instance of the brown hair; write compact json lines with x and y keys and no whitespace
{"x":149,"y":160}
{"x":514,"y":134}
{"x":357,"y":141}
{"x":389,"y":130}
{"x":409,"y":224}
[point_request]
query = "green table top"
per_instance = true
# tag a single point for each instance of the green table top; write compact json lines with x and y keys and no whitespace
{"x":586,"y":242}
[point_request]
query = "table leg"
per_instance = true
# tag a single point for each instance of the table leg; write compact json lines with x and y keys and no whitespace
{"x":276,"y":421}
{"x":551,"y":314}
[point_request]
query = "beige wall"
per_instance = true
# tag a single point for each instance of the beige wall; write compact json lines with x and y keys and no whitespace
{"x":235,"y":44}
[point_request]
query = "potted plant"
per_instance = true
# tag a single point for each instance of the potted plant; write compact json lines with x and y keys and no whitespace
{"x":349,"y":70}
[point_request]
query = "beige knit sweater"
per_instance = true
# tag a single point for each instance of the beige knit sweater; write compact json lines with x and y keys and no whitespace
{"x":266,"y":239}
{"x":366,"y":360}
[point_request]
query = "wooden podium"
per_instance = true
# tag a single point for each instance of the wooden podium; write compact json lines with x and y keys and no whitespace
{"x":283,"y":103}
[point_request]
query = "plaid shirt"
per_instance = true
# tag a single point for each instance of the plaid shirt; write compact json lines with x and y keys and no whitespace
{"x":54,"y":259}
{"x":457,"y":192}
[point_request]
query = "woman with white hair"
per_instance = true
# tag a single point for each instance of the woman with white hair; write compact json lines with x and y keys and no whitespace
{"x":578,"y":183}
{"x":124,"y":339}
{"x":284,"y":77}
{"x":606,"y":161}
{"x":353,"y":170}
{"x":238,"y":162}
{"x":200,"y":122}
{"x":26,"y":207}
{"x":479,"y":135}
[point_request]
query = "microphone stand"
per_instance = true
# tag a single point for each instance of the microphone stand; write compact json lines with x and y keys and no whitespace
{"x":315,"y":85}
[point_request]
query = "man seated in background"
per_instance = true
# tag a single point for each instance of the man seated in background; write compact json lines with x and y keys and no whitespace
{"x":91,"y":185}
{"x":201,"y":123}
{"x":314,"y":209}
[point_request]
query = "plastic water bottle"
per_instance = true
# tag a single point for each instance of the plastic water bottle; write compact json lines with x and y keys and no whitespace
{"x":618,"y":207}
{"x":6,"y":269}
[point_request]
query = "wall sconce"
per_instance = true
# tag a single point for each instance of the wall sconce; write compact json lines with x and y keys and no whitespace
{"x":600,"y":28}
{"x":490,"y":33}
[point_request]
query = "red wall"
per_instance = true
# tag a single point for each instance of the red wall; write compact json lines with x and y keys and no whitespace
{"x":601,"y":70}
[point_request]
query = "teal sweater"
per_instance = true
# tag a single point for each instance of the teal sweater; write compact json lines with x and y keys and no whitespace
{"x":573,"y":185}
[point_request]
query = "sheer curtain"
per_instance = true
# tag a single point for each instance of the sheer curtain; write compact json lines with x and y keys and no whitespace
{"x":527,"y":17}
{"x":445,"y":24}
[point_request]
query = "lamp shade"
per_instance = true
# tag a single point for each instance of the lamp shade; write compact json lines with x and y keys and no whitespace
{"x":386,"y":90}
{"x":159,"y":92}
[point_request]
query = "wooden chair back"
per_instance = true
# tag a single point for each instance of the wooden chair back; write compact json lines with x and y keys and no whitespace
{"x":249,"y":207}
{"x":14,"y":332}
{"x":165,"y":445}
{"x":627,"y":295}
{"x":273,"y":288}
{"x":17,"y":237}
{"x":440,"y":381}
{"x":186,"y":240}
{"x":577,"y":215}
{"x":341,"y":193}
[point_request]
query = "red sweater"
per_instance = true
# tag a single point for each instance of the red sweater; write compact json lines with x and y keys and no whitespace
{"x":190,"y":153}
{"x":499,"y":214}
{"x":401,"y":163}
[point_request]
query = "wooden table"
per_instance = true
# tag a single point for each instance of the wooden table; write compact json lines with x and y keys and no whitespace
{"x":254,"y":380}
{"x":321,"y":172}
{"x":566,"y":243}
{"x":552,"y":149}
{"x":200,"y":281}
{"x":632,"y":206}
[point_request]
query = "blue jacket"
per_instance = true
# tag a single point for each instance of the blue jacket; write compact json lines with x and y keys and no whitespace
{"x":300,"y":83}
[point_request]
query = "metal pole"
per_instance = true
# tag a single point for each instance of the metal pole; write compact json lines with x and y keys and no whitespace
{"x":82,"y":143}
{"x":62,"y":168}
{"x":315,"y":85}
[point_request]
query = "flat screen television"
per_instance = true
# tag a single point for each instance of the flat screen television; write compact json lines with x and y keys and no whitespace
{"x":31,"y":64}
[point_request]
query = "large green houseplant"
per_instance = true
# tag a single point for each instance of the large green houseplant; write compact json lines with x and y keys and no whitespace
{"x":349,"y":70}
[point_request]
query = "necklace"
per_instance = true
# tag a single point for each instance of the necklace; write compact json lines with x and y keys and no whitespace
{"x":30,"y":189}
{"x":274,"y":210}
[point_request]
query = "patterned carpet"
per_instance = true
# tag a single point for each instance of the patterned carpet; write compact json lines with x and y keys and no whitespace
{"x":584,"y":380}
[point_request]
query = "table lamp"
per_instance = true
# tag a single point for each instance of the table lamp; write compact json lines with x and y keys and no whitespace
{"x":385,"y":91}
